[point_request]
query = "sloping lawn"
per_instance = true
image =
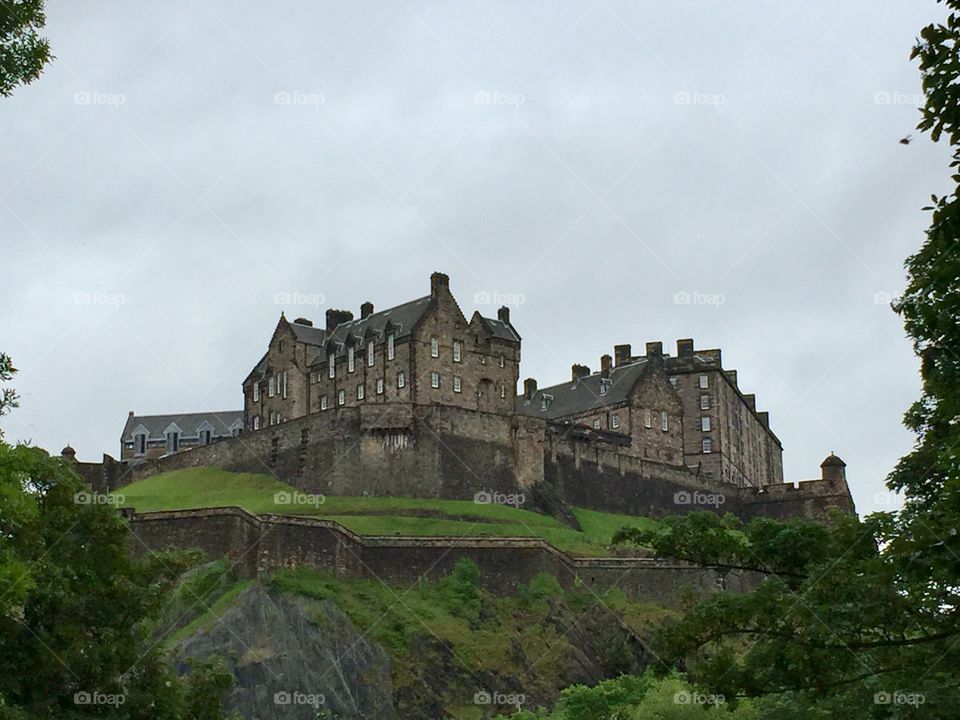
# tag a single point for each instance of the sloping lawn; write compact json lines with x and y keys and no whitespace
{"x":257,"y":493}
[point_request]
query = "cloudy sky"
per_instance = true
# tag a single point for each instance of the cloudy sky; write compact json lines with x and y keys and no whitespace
{"x":618,"y":171}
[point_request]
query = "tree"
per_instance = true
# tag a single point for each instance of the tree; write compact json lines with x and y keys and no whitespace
{"x":8,"y":397}
{"x":23,"y":53}
{"x":859,"y":618}
{"x":77,"y":608}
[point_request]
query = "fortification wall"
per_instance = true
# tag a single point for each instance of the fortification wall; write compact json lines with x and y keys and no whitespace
{"x":808,"y":499}
{"x":258,"y":546}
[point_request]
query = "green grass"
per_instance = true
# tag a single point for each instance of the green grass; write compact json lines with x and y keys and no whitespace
{"x":211,"y":487}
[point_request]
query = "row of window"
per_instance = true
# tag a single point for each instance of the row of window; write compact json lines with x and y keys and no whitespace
{"x":172,"y":441}
{"x":703,"y":381}
{"x":276,"y":385}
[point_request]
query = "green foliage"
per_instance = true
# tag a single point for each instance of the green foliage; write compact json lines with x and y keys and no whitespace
{"x":76,"y":608}
{"x":542,"y":586}
{"x":459,"y":592}
{"x":8,"y":396}
{"x":23,"y":53}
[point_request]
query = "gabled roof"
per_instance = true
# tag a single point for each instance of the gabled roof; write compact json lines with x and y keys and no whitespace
{"x":221,"y":422}
{"x":308,"y":334}
{"x":573,"y":398}
{"x":500,"y":329}
{"x":398,"y":320}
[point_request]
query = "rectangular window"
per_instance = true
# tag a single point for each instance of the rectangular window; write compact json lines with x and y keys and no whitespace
{"x":351,"y":366}
{"x":707,"y":445}
{"x":503,"y":392}
{"x":256,"y":422}
{"x":704,"y":382}
{"x":705,"y":424}
{"x":502,"y":362}
{"x":434,"y":347}
{"x":341,"y":397}
{"x":332,"y":365}
{"x":704,"y":402}
{"x":379,"y":386}
{"x":270,"y":386}
{"x":391,"y":349}
{"x":256,"y":392}
{"x":664,"y":422}
{"x":596,"y":424}
{"x":401,"y":379}
{"x":284,"y":383}
{"x":647,"y":420}
{"x":205,"y":437}
{"x":141,"y":444}
{"x":324,"y":402}
{"x":456,"y":351}
{"x":173,"y":442}
{"x":457,"y":387}
{"x":614,"y":421}
{"x":360,"y":392}
{"x":604,"y":386}
{"x":370,"y":354}
{"x":434,"y":379}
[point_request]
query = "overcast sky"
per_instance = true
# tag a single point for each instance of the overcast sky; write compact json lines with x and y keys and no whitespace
{"x":619,"y":171}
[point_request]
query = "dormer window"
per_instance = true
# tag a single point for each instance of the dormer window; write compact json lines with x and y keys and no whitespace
{"x":173,"y":441}
{"x":434,"y":347}
{"x":370,"y":354}
{"x":604,"y":386}
{"x":140,"y":442}
{"x":205,"y":437}
{"x":331,"y":365}
{"x":351,"y":365}
{"x":391,"y":349}
{"x":545,"y":402}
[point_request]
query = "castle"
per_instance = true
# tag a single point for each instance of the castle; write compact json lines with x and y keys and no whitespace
{"x":417,"y":400}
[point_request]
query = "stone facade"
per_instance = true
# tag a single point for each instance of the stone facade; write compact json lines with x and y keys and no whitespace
{"x":149,"y":436}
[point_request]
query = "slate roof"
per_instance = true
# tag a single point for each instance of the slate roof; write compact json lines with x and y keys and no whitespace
{"x":500,"y":329}
{"x":571,"y":398}
{"x":189,"y":423}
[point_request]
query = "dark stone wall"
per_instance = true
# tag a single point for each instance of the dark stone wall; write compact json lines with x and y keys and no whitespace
{"x":258,"y":546}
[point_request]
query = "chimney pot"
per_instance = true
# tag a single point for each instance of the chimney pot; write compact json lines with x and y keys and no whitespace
{"x":578,"y":371}
{"x":605,"y":362}
{"x":337,"y":317}
{"x":366,"y":310}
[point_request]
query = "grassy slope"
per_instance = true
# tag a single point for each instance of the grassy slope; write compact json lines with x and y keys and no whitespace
{"x":210,"y":487}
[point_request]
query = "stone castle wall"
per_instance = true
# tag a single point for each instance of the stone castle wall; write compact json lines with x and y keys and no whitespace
{"x":258,"y":546}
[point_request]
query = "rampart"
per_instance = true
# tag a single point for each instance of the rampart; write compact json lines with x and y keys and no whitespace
{"x":257,"y":546}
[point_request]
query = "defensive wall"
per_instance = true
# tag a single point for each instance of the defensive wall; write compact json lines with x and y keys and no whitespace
{"x":257,"y":546}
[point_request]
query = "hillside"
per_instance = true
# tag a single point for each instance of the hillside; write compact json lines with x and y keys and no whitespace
{"x":261,"y":493}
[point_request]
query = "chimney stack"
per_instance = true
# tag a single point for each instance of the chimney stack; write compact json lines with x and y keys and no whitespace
{"x":366,"y":310}
{"x":529,"y":388}
{"x":685,"y":350}
{"x":439,"y":282}
{"x":621,"y":354}
{"x":654,"y":349}
{"x":337,"y":317}
{"x":605,"y":362}
{"x":578,"y":371}
{"x":503,"y":314}
{"x":304,"y":322}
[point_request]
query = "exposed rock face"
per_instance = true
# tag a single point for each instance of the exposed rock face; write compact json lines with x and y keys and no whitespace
{"x":293,"y":659}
